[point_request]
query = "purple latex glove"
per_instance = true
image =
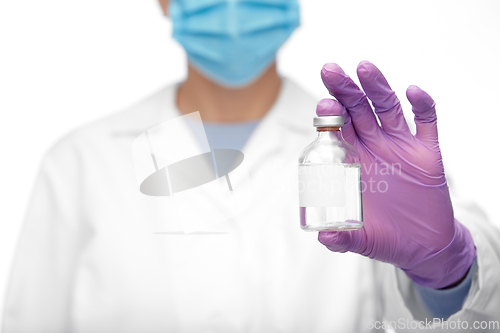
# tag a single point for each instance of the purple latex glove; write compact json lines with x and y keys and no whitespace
{"x":408,"y":215}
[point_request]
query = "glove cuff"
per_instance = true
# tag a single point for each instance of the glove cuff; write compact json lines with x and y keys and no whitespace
{"x":448,"y":265}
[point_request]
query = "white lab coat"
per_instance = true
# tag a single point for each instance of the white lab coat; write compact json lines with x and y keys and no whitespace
{"x":90,"y":261}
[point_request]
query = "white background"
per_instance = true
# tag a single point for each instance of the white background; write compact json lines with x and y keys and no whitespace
{"x":66,"y":63}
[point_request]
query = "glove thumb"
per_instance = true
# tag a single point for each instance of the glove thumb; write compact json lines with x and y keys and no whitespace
{"x":345,"y":241}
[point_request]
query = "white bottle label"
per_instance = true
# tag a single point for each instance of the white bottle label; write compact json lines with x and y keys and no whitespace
{"x":322,"y":185}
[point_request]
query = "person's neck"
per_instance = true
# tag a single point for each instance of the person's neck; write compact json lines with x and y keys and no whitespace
{"x":219,"y":104}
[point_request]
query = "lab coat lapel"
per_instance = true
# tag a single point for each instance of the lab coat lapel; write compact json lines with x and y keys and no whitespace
{"x":272,"y":148}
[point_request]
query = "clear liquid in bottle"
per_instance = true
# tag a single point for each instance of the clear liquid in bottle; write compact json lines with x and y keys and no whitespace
{"x":330,"y":197}
{"x":335,"y":204}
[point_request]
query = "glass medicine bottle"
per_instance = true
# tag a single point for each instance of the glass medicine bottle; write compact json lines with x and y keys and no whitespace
{"x":330,"y":180}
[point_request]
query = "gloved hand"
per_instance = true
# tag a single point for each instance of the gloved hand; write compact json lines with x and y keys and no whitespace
{"x":408,"y":215}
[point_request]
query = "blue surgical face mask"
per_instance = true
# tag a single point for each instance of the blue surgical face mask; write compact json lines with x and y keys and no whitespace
{"x":233,"y":42}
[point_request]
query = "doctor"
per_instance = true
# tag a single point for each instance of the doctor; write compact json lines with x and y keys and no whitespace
{"x":86,"y":262}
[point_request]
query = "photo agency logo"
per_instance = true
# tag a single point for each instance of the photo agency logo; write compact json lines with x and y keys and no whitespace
{"x":331,"y":181}
{"x":184,"y":185}
{"x":375,"y":176}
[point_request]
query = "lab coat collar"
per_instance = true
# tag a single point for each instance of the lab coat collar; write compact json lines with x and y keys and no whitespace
{"x":291,"y":110}
{"x":151,"y":111}
{"x":289,"y":118}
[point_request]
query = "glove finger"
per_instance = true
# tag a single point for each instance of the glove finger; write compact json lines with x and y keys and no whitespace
{"x":331,"y":107}
{"x":423,"y":106}
{"x":343,"y":241}
{"x":343,"y":88}
{"x":384,"y":100}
